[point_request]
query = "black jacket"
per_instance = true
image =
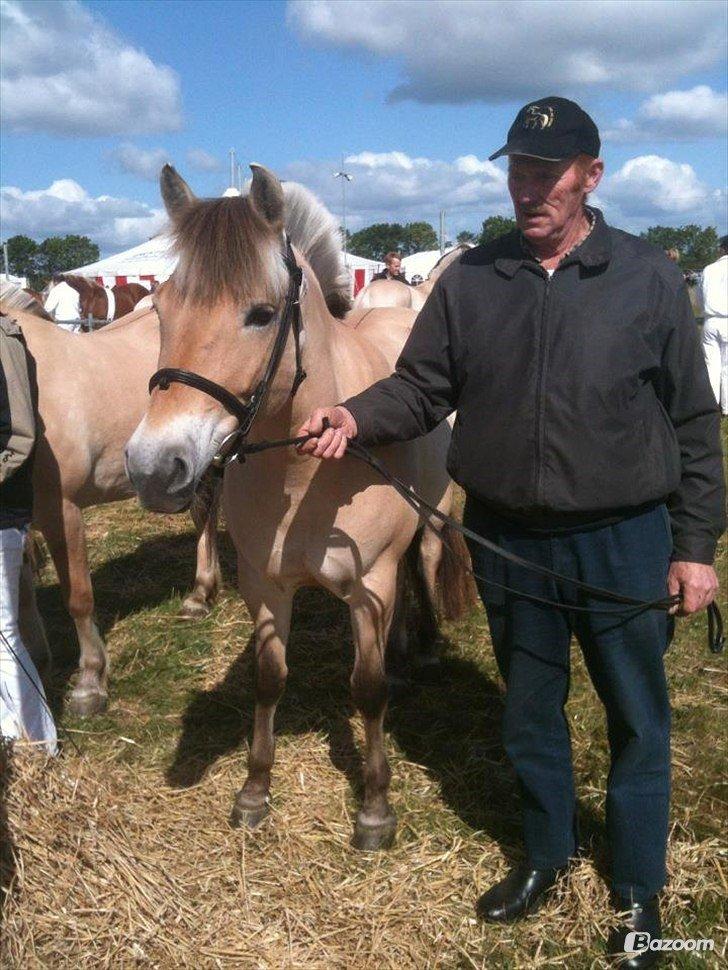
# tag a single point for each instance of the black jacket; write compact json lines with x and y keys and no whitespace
{"x":385,"y":275}
{"x":579,"y":398}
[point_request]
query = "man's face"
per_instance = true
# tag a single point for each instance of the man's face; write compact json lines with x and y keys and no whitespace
{"x":548,"y":196}
{"x":394,"y":266}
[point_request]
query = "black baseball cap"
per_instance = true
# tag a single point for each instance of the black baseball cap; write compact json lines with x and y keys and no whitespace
{"x":552,"y":129}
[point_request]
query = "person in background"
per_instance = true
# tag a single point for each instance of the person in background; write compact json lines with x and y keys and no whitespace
{"x":24,"y":711}
{"x":392,"y":270}
{"x":603,"y":466}
{"x":673,"y":255}
{"x":714,"y":296}
{"x":64,"y":304}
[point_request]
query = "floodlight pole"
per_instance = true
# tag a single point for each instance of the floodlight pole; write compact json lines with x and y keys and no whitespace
{"x":232,"y":168}
{"x":345,"y":177}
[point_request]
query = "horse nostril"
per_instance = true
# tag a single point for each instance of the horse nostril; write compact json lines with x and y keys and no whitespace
{"x":180,"y":471}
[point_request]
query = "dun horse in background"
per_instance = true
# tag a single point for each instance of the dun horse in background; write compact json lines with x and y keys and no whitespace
{"x":294,"y":521}
{"x":92,"y":392}
{"x":381,"y":293}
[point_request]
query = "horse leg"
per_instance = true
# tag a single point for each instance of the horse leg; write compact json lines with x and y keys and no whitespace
{"x":30,"y":623}
{"x":425,"y":561}
{"x":208,"y":578}
{"x":372,"y":610}
{"x":67,"y":543}
{"x":272,"y":615}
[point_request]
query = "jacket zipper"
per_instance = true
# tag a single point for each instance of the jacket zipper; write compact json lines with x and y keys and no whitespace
{"x":540,"y":391}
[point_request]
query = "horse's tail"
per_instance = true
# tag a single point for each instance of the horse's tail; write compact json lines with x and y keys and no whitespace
{"x":456,"y":590}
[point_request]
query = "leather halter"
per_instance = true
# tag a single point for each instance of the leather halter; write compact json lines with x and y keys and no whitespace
{"x":246,"y":413}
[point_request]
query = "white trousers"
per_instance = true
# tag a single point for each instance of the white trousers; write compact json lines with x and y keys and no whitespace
{"x":715,"y":348}
{"x":24,"y":711}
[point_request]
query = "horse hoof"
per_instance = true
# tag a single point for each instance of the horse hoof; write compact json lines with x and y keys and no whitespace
{"x":248,"y":816}
{"x":85,"y":701}
{"x":373,"y":838}
{"x":193,"y":609}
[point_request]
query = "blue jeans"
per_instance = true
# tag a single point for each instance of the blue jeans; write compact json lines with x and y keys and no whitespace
{"x":625,"y":662}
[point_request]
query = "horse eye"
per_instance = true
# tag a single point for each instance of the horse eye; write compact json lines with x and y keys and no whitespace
{"x":260,"y":316}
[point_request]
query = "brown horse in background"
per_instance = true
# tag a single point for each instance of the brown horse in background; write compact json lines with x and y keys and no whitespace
{"x":92,"y":392}
{"x":295,"y":522}
{"x":94,"y":298}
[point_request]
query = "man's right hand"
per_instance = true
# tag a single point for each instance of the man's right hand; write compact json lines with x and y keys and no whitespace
{"x":332,"y":442}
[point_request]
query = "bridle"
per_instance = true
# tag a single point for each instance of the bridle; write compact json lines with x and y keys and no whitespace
{"x":231,"y":446}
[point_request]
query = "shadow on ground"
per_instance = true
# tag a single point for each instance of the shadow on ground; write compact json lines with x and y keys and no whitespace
{"x":452,"y":729}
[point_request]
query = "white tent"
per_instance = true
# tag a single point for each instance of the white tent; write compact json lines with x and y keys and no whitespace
{"x":421,"y":264}
{"x":150,"y":262}
{"x":154,"y":262}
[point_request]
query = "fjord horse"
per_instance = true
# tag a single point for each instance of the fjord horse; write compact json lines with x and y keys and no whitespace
{"x":102,"y":302}
{"x":92,"y":392}
{"x":294,"y":521}
{"x":381,"y":293}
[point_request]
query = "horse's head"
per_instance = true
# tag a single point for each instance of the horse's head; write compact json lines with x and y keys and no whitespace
{"x":219,"y":314}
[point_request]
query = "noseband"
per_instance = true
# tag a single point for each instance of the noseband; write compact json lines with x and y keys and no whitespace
{"x":246,"y":413}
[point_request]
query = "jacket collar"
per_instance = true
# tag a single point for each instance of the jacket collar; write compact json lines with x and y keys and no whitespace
{"x":596,"y":250}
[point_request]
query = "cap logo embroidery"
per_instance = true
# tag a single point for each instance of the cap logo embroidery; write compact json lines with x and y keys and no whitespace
{"x":538,"y":117}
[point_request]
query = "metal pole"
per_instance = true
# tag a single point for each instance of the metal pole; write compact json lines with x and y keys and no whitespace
{"x":442,"y":231}
{"x":345,"y":177}
{"x":6,"y":261}
{"x":232,"y":168}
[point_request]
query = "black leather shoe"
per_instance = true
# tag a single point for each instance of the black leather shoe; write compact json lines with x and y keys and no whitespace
{"x":640,"y":918}
{"x":520,"y":893}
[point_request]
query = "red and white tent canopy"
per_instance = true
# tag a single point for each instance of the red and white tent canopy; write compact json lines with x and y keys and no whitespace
{"x":154,"y":262}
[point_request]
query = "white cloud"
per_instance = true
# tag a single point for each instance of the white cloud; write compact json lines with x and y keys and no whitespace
{"x":458,"y":51}
{"x":145,"y":163}
{"x":676,"y":116}
{"x":202,"y":161}
{"x":66,"y":73}
{"x":650,"y":188}
{"x":392,"y":186}
{"x":65,"y":207}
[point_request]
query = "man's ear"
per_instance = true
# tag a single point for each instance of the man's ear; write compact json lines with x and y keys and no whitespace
{"x":593,"y":175}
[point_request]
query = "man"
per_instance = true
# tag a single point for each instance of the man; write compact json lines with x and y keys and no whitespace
{"x":392,"y":269}
{"x":24,"y":712}
{"x":569,"y":350}
{"x":64,"y":304}
{"x":714,"y":291}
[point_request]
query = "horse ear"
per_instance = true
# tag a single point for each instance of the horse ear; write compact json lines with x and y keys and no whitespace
{"x":266,"y":195}
{"x":176,"y":193}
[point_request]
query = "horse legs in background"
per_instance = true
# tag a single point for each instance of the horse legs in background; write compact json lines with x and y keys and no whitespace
{"x":372,"y":610}
{"x":208,"y":578}
{"x":271,"y":611}
{"x":67,"y":543}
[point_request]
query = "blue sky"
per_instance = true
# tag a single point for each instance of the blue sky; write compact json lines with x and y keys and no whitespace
{"x":97,"y":95}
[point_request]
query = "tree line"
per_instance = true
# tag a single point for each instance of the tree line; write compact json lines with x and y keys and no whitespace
{"x":56,"y":254}
{"x":697,"y":246}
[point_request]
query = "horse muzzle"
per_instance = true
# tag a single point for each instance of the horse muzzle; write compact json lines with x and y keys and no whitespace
{"x":164,"y":479}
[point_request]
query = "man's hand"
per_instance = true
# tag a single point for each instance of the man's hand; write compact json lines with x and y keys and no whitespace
{"x":696,"y":583}
{"x":332,"y":442}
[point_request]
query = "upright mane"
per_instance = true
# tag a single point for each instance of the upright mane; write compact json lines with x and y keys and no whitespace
{"x":216,"y":243}
{"x":314,"y":231}
{"x":14,"y":297}
{"x":444,"y":261}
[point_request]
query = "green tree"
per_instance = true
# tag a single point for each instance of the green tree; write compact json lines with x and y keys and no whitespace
{"x":418,"y":237}
{"x":697,"y":246}
{"x":375,"y":241}
{"x":495,"y":226}
{"x":22,"y":253}
{"x":466,"y":236}
{"x":58,"y":254}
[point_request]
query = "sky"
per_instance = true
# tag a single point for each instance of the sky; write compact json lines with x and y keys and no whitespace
{"x":411,"y":96}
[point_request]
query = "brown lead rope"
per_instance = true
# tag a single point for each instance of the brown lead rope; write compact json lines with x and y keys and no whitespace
{"x":628,"y":605}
